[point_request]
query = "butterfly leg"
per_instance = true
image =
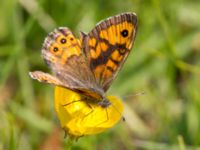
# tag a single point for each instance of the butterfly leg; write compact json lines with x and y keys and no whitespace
{"x":90,"y":111}
{"x":73,"y":102}
{"x":107,"y":118}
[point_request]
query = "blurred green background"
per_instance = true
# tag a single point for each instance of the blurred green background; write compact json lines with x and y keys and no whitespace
{"x":164,"y":64}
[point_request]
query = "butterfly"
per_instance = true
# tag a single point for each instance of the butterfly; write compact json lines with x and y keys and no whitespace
{"x":89,"y":64}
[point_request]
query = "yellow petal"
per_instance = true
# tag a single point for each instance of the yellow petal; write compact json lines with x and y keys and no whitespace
{"x":79,"y":117}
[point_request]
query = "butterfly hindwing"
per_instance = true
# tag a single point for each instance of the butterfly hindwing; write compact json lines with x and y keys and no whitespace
{"x":63,"y":54}
{"x":108,"y":45}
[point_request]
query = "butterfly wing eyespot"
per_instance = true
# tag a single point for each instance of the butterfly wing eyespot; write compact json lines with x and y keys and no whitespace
{"x":124,"y":33}
{"x":63,"y":41}
{"x":55,"y":49}
{"x":73,"y":40}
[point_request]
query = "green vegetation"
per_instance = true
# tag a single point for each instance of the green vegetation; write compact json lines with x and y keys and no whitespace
{"x":164,"y":64}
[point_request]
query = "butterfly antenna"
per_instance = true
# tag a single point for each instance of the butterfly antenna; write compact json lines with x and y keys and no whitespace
{"x":133,"y":95}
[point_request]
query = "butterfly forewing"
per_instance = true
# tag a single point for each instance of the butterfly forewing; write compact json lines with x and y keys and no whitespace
{"x":108,"y":45}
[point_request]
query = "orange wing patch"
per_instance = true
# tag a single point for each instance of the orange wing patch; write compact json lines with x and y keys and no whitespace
{"x":99,"y":69}
{"x":95,"y":53}
{"x":104,"y":46}
{"x":96,"y":50}
{"x":116,"y":56}
{"x":92,"y":42}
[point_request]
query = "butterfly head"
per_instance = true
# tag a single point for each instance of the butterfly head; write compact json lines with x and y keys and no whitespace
{"x":104,"y":102}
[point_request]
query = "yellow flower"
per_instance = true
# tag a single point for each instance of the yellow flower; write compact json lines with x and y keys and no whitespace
{"x":79,"y":117}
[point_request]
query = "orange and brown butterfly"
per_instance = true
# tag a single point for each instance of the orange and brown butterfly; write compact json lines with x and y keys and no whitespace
{"x":89,"y":65}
